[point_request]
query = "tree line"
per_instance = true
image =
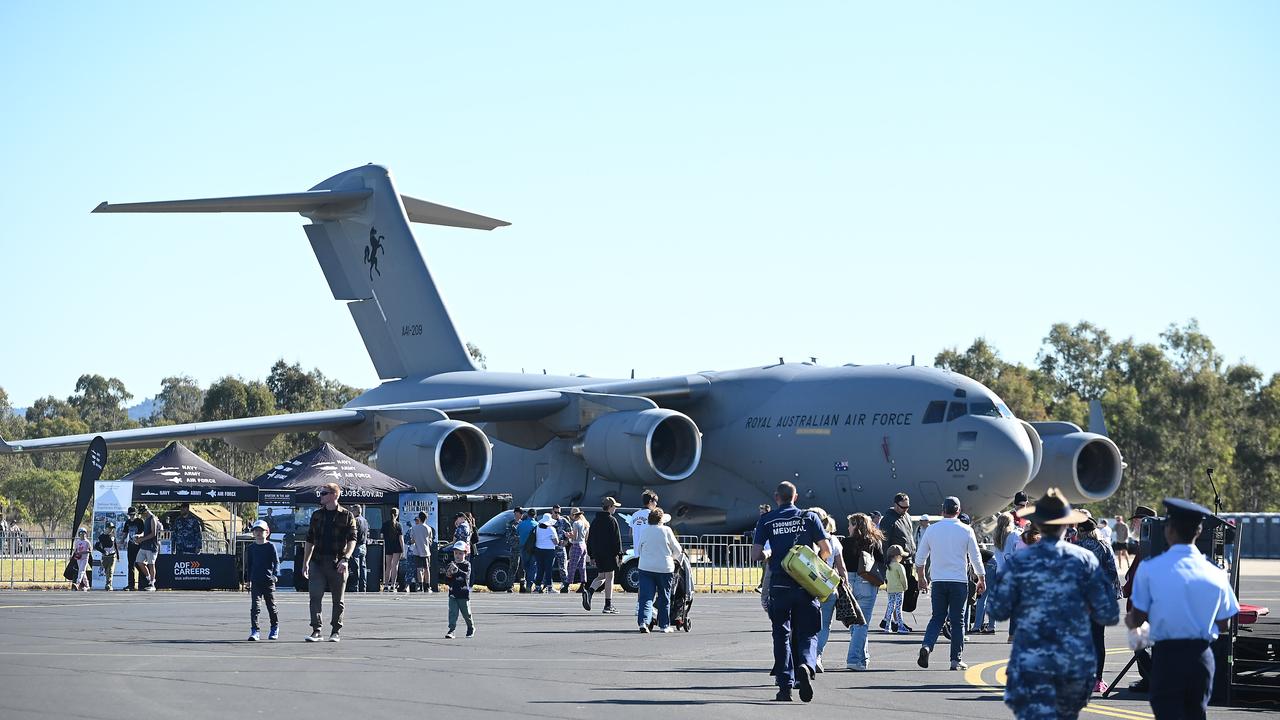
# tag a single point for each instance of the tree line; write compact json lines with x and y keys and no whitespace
{"x":42,"y":488}
{"x":1173,"y":407}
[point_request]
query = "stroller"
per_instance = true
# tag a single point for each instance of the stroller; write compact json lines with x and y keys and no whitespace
{"x":681,"y":596}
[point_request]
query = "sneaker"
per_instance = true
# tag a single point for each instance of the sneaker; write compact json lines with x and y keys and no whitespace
{"x":471,"y":631}
{"x":666,"y":629}
{"x":1100,"y":687}
{"x":275,"y":633}
{"x":884,"y":624}
{"x":449,"y":635}
{"x":959,"y":665}
{"x":804,"y":682}
{"x":923,"y":659}
{"x":817,"y":667}
{"x":644,"y":629}
{"x":254,"y":636}
{"x":334,"y":637}
{"x":902,"y":630}
{"x":784,"y":695}
{"x":855,"y":667}
{"x":586,"y":600}
{"x":315,"y":636}
{"x":609,"y":610}
{"x":151,"y":588}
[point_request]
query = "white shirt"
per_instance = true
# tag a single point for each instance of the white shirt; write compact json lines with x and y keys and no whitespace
{"x":547,"y":538}
{"x":1183,"y":594}
{"x":639,"y":520}
{"x":945,"y":546}
{"x":658,"y":549}
{"x":1104,"y":534}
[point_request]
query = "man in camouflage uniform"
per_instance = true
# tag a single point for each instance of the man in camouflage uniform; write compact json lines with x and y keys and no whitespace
{"x":1052,"y":590}
{"x":187,"y":533}
{"x":512,"y":537}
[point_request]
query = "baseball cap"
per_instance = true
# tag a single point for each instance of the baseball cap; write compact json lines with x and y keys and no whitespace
{"x":460,"y":545}
{"x":260,"y":524}
{"x":951,"y":504}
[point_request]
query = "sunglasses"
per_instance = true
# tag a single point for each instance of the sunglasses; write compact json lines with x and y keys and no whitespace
{"x":322,"y":493}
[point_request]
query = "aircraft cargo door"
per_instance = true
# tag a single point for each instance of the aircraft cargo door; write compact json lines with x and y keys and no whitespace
{"x":846,"y":495}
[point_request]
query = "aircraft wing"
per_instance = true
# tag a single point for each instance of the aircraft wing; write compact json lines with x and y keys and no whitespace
{"x":517,"y":406}
{"x":160,"y":436}
{"x":527,"y":405}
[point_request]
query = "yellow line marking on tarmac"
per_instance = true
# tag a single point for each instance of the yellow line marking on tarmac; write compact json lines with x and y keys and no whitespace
{"x":973,"y":676}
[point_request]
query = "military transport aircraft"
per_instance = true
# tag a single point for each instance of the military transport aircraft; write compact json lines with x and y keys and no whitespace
{"x":713,"y":444}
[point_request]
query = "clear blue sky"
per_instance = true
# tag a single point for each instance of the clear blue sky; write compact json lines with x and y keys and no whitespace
{"x":691,"y":186}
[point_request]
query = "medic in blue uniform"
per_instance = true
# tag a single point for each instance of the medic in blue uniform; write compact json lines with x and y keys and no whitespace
{"x":1187,"y":600}
{"x":796,"y":615}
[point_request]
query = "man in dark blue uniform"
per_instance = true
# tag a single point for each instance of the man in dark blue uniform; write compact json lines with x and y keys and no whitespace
{"x":1187,"y":600}
{"x":796,"y":615}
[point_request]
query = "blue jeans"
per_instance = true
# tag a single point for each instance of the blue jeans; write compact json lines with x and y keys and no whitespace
{"x":796,"y":616}
{"x":545,"y":559}
{"x":360,"y":567}
{"x":864,"y":593}
{"x":655,"y":591}
{"x":981,"y":618}
{"x":529,"y":568}
{"x":948,"y":600}
{"x":828,"y":610}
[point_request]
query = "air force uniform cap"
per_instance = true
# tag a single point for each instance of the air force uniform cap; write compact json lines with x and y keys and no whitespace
{"x":1186,"y":510}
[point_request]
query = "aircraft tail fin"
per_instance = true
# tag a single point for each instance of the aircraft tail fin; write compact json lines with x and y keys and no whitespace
{"x":1097,"y":423}
{"x":361,"y":237}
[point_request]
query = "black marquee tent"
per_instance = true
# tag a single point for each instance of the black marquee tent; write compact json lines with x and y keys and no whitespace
{"x":294,"y":482}
{"x":177,"y":475}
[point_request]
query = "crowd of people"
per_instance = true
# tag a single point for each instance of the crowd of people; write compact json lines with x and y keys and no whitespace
{"x":1053,"y":572}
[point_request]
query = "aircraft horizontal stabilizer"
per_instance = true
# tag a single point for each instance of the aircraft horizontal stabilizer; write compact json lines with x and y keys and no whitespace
{"x":421,"y":211}
{"x":333,"y":203}
{"x":287,"y":202}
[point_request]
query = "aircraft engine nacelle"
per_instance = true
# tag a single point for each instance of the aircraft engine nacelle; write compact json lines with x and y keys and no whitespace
{"x":643,"y":447}
{"x":448,"y":456}
{"x":1085,"y":466}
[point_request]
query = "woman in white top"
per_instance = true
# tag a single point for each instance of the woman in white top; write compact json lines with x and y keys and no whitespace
{"x":1005,"y":540}
{"x":577,"y":570}
{"x":835,"y":560}
{"x":547,"y":544}
{"x":657,"y":551}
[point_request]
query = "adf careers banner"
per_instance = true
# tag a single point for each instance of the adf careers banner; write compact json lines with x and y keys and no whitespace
{"x":111,"y":501}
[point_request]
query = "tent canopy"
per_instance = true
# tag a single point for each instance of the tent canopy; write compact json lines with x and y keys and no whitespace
{"x":177,"y":475}
{"x":294,"y":482}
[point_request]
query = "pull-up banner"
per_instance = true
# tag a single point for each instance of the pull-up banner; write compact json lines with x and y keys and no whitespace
{"x":95,"y":459}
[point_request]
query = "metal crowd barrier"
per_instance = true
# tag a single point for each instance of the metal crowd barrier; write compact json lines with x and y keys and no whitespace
{"x":721,"y":563}
{"x":32,"y":561}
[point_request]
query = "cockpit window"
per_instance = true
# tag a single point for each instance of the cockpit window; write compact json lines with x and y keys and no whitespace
{"x":984,"y":408}
{"x":955,"y":410}
{"x":936,"y":411}
{"x":1004,"y":410}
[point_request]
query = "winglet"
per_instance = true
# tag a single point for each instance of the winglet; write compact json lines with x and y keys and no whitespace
{"x":1097,"y":423}
{"x":7,"y":449}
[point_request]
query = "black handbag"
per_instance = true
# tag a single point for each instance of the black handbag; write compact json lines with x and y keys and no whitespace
{"x":72,"y":571}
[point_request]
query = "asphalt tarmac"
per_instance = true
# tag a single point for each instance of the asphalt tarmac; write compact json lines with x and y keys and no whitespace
{"x":155,"y":655}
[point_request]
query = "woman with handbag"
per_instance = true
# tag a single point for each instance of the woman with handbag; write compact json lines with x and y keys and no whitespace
{"x":835,"y":560}
{"x":80,"y":553}
{"x":863,"y":553}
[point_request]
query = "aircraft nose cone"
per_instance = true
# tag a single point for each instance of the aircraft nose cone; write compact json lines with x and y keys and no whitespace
{"x":1008,"y":462}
